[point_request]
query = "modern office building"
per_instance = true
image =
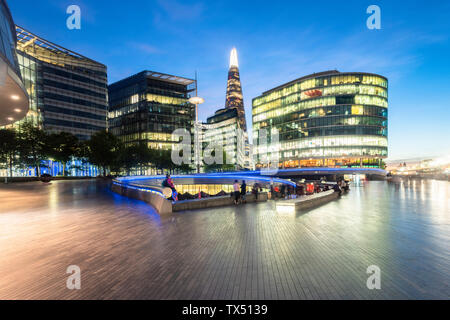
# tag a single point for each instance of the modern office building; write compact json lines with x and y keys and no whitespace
{"x":330,"y":119}
{"x":224,"y":129}
{"x":228,"y":125}
{"x":13,"y":95}
{"x":149,"y":106}
{"x":68,"y":92}
{"x":29,"y":70}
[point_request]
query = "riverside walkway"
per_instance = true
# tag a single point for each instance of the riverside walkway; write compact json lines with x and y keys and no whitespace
{"x":125,"y":250}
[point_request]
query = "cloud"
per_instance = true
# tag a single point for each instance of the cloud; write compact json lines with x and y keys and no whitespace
{"x":145,"y":48}
{"x":178,"y":11}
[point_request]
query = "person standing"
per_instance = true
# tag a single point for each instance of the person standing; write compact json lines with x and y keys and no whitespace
{"x":236,"y":191}
{"x":255,"y":190}
{"x":243,"y":190}
{"x":283,"y":191}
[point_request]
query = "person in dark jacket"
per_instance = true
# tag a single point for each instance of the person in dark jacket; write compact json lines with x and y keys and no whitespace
{"x":337,"y":188}
{"x":243,"y":190}
{"x":255,"y":190}
{"x":168,"y":183}
{"x":283,"y":191}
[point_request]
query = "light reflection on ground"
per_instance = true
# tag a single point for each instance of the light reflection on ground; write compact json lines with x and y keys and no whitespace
{"x":125,"y":250}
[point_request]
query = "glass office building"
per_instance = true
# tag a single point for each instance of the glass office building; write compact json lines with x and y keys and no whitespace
{"x":224,"y":129}
{"x":13,"y":96}
{"x":328,"y":119}
{"x":149,"y":106}
{"x":29,"y":71}
{"x":68,"y":92}
{"x":228,"y":126}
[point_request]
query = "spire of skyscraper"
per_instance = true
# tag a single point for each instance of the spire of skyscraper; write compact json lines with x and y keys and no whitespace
{"x":234,"y":59}
{"x":234,"y":98}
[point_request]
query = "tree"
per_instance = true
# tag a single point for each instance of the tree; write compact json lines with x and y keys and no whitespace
{"x":9,"y":148}
{"x":104,"y":150}
{"x":135,"y":156}
{"x":162,"y":159}
{"x":220,"y":167}
{"x":32,"y":148}
{"x":62,"y":147}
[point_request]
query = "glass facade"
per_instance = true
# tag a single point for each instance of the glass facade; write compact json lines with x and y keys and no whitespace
{"x":234,"y":97}
{"x":224,"y":128}
{"x":148,"y":107}
{"x":228,"y":126}
{"x":325,"y":119}
{"x":13,"y":96}
{"x":29,"y":71}
{"x":68,"y":92}
{"x":7,"y":37}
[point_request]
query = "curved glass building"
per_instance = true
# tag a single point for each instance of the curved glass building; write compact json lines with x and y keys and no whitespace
{"x":330,"y":119}
{"x":13,"y":96}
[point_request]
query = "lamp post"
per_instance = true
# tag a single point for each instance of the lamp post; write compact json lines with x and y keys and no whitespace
{"x":196,"y":101}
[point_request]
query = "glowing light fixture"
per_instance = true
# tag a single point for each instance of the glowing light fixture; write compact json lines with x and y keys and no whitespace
{"x":10,"y":119}
{"x":17,"y":110}
{"x":196,"y":100}
{"x":234,"y":59}
{"x":15,"y":97}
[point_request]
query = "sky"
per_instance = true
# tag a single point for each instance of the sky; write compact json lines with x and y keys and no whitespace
{"x":276,"y":41}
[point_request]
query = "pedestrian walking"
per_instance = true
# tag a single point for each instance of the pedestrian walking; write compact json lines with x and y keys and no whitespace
{"x":236,"y":191}
{"x":243,"y":191}
{"x":255,"y":190}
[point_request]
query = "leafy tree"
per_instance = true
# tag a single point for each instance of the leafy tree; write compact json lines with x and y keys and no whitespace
{"x":9,"y":148}
{"x":82,"y":154}
{"x":32,"y":142}
{"x":62,"y":147}
{"x":162,"y":160}
{"x":218,"y":167}
{"x":104,"y":150}
{"x":136,"y":156}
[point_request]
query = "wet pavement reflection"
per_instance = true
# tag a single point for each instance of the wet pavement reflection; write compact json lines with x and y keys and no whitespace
{"x":127,"y":251}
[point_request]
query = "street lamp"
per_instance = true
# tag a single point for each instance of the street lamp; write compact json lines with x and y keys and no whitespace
{"x":196,"y":101}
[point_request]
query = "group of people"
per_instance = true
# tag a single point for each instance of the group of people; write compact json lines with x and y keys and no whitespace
{"x":240,"y":190}
{"x":341,"y":186}
{"x":239,"y":193}
{"x":302,"y":188}
{"x":284,"y":191}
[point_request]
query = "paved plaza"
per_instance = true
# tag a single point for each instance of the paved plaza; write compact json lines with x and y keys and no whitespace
{"x":127,"y":251}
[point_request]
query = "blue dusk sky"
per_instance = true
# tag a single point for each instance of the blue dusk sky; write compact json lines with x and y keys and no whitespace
{"x":277,"y":41}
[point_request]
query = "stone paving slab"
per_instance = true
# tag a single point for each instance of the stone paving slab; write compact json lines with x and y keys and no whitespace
{"x":127,"y":251}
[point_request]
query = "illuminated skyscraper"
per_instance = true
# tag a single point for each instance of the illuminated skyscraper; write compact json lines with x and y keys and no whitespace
{"x":234,"y":98}
{"x":229,"y":122}
{"x":326,"y":119}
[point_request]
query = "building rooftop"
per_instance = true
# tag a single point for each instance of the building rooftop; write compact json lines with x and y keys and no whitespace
{"x":156,"y":76}
{"x":315,"y":75}
{"x":169,"y":78}
{"x":49,"y":51}
{"x":222,"y":114}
